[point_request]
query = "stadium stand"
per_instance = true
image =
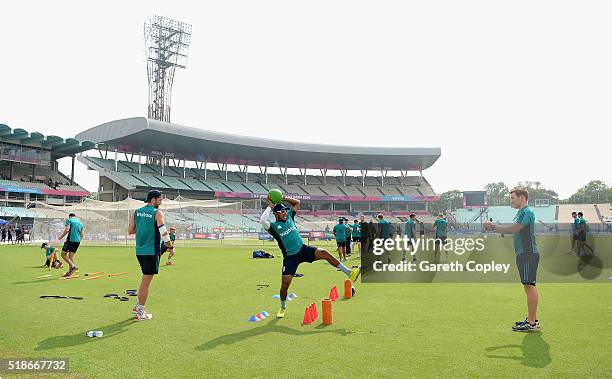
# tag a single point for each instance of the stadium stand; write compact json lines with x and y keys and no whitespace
{"x":589,"y":211}
{"x":236,"y":181}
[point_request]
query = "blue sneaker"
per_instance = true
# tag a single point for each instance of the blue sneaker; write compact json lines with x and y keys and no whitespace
{"x":527,"y":327}
{"x":524,"y":321}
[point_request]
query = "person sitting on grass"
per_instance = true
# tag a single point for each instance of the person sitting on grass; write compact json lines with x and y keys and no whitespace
{"x":51,"y":256}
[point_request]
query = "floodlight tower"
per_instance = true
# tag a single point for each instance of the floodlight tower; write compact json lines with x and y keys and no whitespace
{"x":167,"y":43}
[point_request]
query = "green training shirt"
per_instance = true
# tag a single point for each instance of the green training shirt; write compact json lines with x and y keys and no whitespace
{"x":340,"y":231}
{"x":74,"y":231}
{"x":524,"y":241}
{"x":356,"y":230}
{"x":410,"y":228}
{"x":49,"y":251}
{"x":147,"y":234}
{"x":286,"y":234}
{"x":441,"y":227}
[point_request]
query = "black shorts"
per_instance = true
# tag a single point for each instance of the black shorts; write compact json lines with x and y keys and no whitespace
{"x":440,"y":241}
{"x":48,"y":261}
{"x":356,"y":239}
{"x":163,"y":249}
{"x":341,"y":243}
{"x":527,"y":265}
{"x":70,"y":247}
{"x":291,"y":262}
{"x":581,"y":236}
{"x":149,"y":264}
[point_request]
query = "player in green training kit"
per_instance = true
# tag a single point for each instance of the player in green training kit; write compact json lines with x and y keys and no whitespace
{"x":440,"y":230}
{"x":73,"y":233}
{"x":292,"y":246}
{"x":527,"y":256}
{"x":163,"y":247}
{"x":581,"y":235}
{"x":356,"y":237}
{"x":148,"y":225}
{"x":51,"y":256}
{"x":411,"y":233}
{"x":340,"y":233}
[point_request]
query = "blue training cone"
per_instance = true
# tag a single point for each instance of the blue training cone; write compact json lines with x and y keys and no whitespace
{"x":253,"y":319}
{"x":277,"y":296}
{"x":265,"y":314}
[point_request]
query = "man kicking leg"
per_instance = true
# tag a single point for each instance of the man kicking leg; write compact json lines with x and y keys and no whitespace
{"x":292,"y":246}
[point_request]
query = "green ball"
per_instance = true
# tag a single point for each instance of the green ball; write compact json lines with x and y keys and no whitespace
{"x":275,"y":195}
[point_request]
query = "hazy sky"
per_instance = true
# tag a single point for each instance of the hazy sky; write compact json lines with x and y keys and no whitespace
{"x":510,"y":91}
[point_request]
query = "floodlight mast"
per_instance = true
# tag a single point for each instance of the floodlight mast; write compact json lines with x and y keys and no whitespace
{"x":167,"y":43}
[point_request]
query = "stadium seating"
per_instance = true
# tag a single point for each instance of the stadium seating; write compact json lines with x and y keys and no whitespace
{"x":216,"y":186}
{"x":371,"y":191}
{"x":173,"y":182}
{"x":312,"y":190}
{"x":152,"y":181}
{"x":195,"y":184}
{"x":236,"y":187}
{"x":17,"y":212}
{"x":236,"y":181}
{"x":128,"y":178}
{"x":351,"y":191}
{"x":255,"y":187}
{"x":589,"y":211}
{"x":332,"y":190}
{"x":390,"y":190}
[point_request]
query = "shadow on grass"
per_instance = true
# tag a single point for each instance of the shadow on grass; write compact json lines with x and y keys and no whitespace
{"x":535,"y":351}
{"x":80,"y":338}
{"x":270,"y":327}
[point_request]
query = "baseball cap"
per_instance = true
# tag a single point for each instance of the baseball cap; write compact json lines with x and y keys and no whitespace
{"x":153,"y":194}
{"x":280,"y":207}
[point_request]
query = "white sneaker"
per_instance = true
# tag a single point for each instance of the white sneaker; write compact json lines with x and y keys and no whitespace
{"x":143,"y":316}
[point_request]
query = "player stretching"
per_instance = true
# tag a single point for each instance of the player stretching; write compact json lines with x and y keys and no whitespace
{"x":74,"y":233}
{"x":292,"y":246}
{"x":148,"y":225}
{"x":527,"y":257}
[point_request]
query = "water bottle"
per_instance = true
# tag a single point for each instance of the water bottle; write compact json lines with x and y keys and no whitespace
{"x":98,"y":333}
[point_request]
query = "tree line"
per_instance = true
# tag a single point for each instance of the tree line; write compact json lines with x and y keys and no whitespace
{"x":595,"y":191}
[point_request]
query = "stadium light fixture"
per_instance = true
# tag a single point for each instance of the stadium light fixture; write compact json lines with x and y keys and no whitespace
{"x":167,"y":43}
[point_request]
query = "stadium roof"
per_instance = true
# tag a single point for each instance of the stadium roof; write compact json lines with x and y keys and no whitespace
{"x":58,"y":146}
{"x":148,"y":136}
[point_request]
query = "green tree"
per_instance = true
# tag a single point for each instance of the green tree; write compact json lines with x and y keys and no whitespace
{"x":537,"y":191}
{"x":595,"y":191}
{"x":449,"y":200}
{"x":497,"y":193}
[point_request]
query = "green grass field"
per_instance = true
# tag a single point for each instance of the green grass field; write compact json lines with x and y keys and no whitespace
{"x":201,"y":305}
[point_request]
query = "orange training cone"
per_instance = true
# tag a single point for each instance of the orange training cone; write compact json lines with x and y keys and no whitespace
{"x":333,"y":294}
{"x":348,"y":289}
{"x":315,"y":312}
{"x":326,"y":306}
{"x":307,"y":317}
